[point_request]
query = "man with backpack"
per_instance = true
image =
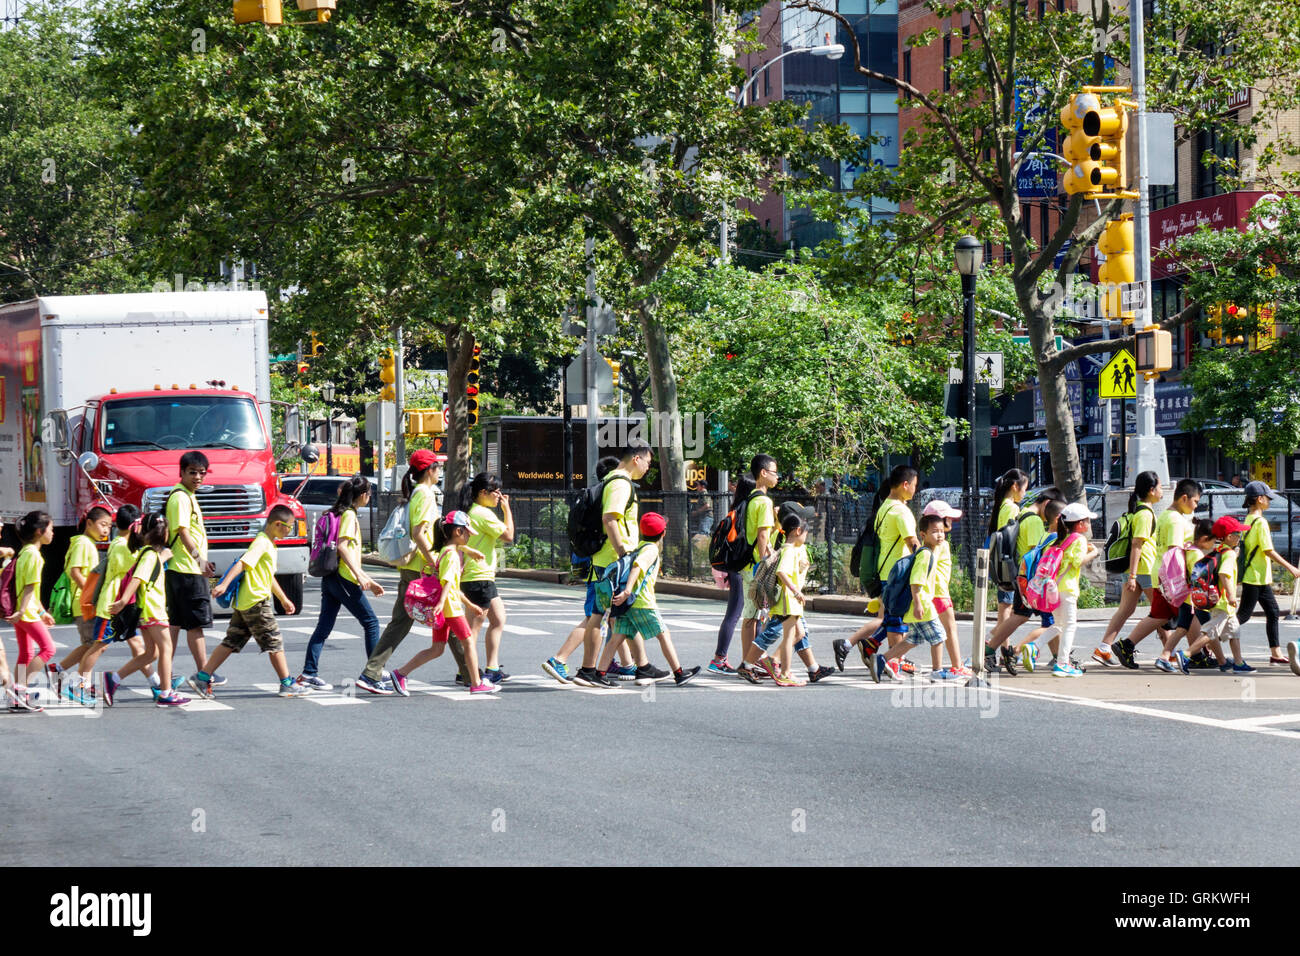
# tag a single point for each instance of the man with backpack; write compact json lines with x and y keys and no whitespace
{"x":189,"y":605}
{"x":760,"y":537}
{"x":617,"y":521}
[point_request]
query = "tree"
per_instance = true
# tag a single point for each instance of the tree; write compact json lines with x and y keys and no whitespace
{"x":959,"y":166}
{"x":1246,"y":400}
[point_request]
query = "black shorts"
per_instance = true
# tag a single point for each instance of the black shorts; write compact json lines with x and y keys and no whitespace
{"x":479,"y":592}
{"x":189,"y":602}
{"x":1185,"y":615}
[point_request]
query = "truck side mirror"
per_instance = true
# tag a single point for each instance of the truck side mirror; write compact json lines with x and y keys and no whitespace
{"x":54,"y":432}
{"x":310,"y":454}
{"x":88,"y":461}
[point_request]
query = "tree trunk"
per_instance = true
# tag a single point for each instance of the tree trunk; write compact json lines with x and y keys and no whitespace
{"x":1067,"y":472}
{"x":663,"y":392}
{"x":459,"y":468}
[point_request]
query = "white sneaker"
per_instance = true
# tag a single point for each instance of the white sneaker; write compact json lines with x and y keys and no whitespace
{"x":1293,"y":655}
{"x":295,"y":689}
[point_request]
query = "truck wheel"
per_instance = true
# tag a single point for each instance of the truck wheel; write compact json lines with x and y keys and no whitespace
{"x":292,"y":585}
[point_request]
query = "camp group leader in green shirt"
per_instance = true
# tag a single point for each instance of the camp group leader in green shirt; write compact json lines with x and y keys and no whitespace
{"x":188,"y":600}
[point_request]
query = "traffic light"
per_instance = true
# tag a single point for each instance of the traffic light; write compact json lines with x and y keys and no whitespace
{"x":317,"y":347}
{"x":259,"y":11}
{"x":1214,"y":323}
{"x":1116,"y":244}
{"x":1239,"y":314}
{"x":471,"y":389}
{"x":424,"y":421}
{"x":1155,"y":351}
{"x":388,"y":375}
{"x":1094,"y":147}
{"x":613,"y":370}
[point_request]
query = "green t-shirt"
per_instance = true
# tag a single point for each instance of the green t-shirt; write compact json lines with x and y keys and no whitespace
{"x":1259,"y":540}
{"x":924,"y":569}
{"x":895,"y":524}
{"x":421,"y":511}
{"x":349,"y":531}
{"x":150,"y":598}
{"x":83,"y":556}
{"x":617,"y":499}
{"x":794,"y":562}
{"x":1031,"y":533}
{"x":1144,"y":527}
{"x":646,"y":560}
{"x":759,"y":514}
{"x":942,"y":569}
{"x":1172,"y":530}
{"x":1227,"y":579}
{"x":120,"y":559}
{"x":259,"y":571}
{"x":1067,"y":577}
{"x":183,"y":511}
{"x":1006,"y":511}
{"x":484,"y":530}
{"x":28,"y":572}
{"x":449,"y":571}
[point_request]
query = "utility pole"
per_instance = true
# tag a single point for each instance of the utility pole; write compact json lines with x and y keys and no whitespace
{"x":593,"y":394}
{"x":398,"y":425}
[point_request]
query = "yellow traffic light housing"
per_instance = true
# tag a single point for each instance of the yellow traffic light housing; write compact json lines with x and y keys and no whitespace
{"x":1094,"y":146}
{"x":268,"y":12}
{"x":471,"y":388}
{"x":388,"y":375}
{"x":1155,"y":350}
{"x":1116,"y":244}
{"x":424,"y":421}
{"x":1239,"y":314}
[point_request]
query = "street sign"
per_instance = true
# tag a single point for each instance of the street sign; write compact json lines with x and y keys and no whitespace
{"x":577,"y":391}
{"x":1118,"y":379}
{"x":988,"y":369}
{"x":1133,"y":296}
{"x":1024,"y":340}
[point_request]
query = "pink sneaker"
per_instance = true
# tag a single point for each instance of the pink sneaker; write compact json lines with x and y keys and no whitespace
{"x":171,"y":699}
{"x":485,"y":688}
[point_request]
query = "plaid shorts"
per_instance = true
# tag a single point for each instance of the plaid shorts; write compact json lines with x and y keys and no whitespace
{"x":639,"y":620}
{"x":926,"y":632}
{"x":257,"y":622}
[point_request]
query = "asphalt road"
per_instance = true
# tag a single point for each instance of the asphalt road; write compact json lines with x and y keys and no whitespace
{"x":1100,"y":770}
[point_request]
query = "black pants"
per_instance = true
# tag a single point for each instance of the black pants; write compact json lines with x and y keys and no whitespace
{"x":1262,"y":593}
{"x":735,"y":600}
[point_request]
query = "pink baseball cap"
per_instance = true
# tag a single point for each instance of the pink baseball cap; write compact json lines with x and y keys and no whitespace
{"x":941,"y":508}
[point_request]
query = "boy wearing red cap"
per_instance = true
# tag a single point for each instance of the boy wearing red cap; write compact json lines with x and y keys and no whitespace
{"x":1223,"y":619}
{"x":642,"y":618}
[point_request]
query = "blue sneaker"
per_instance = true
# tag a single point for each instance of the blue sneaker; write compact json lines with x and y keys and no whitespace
{"x":1067,"y":670}
{"x":1226,"y":667}
{"x":382,"y":688}
{"x":1029,"y":657}
{"x":496,"y":675}
{"x":558,"y":670}
{"x":1164,"y":665}
{"x":218,"y":680}
{"x":177,"y":681}
{"x":621,"y":672}
{"x":1184,"y":663}
{"x":1242,"y":668}
{"x":944,"y":673}
{"x":719,"y":665}
{"x":879,"y":668}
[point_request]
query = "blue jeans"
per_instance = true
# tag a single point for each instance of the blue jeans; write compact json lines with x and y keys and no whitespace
{"x":772,"y":632}
{"x":336,"y":591}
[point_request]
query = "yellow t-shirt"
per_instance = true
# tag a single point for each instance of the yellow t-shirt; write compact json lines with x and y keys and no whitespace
{"x":895,"y":524}
{"x":120,"y":559}
{"x":421,"y":511}
{"x":259,"y":571}
{"x":1067,"y":576}
{"x":1144,"y":527}
{"x":484,"y":530}
{"x":1173,"y":529}
{"x":349,"y":531}
{"x":28,"y":571}
{"x":942,"y":569}
{"x":449,"y":565}
{"x":1031,"y":533}
{"x":82,"y":556}
{"x":924,"y":569}
{"x":759,"y":514}
{"x":183,"y":512}
{"x":150,"y":598}
{"x":1259,"y":540}
{"x":794,"y":562}
{"x":1227,"y":579}
{"x":617,"y":499}
{"x":647,"y":560}
{"x":1006,"y":511}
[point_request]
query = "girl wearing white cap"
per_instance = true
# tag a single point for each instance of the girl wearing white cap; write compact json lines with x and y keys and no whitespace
{"x":1072,"y":530}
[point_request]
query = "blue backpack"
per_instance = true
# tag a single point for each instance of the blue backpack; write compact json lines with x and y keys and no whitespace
{"x":1029,"y":564}
{"x":896,"y":598}
{"x":614,"y":579}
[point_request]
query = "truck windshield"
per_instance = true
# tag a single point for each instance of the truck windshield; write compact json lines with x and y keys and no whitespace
{"x":199,"y":421}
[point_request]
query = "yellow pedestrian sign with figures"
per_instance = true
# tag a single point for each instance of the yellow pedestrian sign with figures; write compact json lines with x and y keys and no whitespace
{"x":1118,"y":378}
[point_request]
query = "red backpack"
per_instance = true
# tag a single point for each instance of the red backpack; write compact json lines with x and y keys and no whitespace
{"x":8,"y":589}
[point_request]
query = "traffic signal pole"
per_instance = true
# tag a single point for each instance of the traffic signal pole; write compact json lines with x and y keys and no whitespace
{"x":593,"y":396}
{"x":1148,"y":447}
{"x":398,"y":421}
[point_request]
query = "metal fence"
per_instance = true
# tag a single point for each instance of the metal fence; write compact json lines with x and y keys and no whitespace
{"x":541,"y":520}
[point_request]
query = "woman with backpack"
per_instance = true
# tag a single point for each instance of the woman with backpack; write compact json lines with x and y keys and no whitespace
{"x":745,"y":486}
{"x":479,"y":500}
{"x":1008,"y":492}
{"x":1257,"y":573}
{"x":1141,"y":577}
{"x":346,"y":586}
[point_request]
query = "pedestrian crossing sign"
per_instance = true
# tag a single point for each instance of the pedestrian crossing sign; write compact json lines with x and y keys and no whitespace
{"x":1118,"y":377}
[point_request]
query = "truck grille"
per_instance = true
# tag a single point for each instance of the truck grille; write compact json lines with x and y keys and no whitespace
{"x":232,"y":530}
{"x":215,"y":500}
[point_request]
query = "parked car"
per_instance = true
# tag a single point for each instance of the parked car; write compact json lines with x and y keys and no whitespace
{"x":320,"y":492}
{"x":1219,"y":499}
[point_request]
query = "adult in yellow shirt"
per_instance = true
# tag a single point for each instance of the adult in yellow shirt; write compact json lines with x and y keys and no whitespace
{"x":1257,"y":582}
{"x":760,"y":530}
{"x":1147,"y":491}
{"x":189,"y":604}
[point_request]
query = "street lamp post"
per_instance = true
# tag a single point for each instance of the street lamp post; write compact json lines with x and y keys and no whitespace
{"x":832,"y":51}
{"x":327,"y":393}
{"x":969,"y":254}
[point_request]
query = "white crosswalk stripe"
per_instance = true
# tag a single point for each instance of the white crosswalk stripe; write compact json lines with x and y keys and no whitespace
{"x":197,"y":705}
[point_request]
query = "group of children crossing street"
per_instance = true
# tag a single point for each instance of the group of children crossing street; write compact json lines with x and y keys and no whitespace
{"x":153,"y":580}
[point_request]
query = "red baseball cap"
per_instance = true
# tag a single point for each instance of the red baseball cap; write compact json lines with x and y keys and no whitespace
{"x":1227,"y":525}
{"x":652,"y":525}
{"x":423,"y":458}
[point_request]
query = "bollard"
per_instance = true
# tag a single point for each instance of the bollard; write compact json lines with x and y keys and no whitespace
{"x":978,"y":613}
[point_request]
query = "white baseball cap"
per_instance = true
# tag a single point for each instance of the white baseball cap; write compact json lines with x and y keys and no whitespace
{"x":1076,"y":512}
{"x":941,"y":508}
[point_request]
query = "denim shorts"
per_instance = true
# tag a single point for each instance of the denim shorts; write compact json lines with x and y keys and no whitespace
{"x":1006,"y":597}
{"x":895,"y":625}
{"x":771,"y":633}
{"x":1144,"y":582}
{"x":926,"y":632}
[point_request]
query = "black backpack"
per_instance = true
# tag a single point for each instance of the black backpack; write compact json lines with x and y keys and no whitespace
{"x":586,"y":527}
{"x":1003,"y":560}
{"x":729,"y":549}
{"x":868,"y":553}
{"x":1119,"y":543}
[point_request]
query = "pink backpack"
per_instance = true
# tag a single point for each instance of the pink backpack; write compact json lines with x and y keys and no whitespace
{"x":1175,"y":582}
{"x":1041,"y":594}
{"x":424,"y":600}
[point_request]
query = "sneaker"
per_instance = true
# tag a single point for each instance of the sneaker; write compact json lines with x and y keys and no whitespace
{"x":963,"y":671}
{"x":558,"y":670}
{"x":314,"y":682}
{"x":586,"y":677}
{"x":943,"y":673}
{"x":217,"y":681}
{"x":685,"y":674}
{"x":1066,"y":671}
{"x":382,"y":688}
{"x":54,"y":674}
{"x":881,"y":668}
{"x":782,"y":681}
{"x":600,"y":680}
{"x":111,"y":683}
{"x":201,"y":687}
{"x":1293,"y":657}
{"x":1226,"y":667}
{"x":1009,"y":661}
{"x":745,"y":672}
{"x":1029,"y":657}
{"x":1123,"y":649}
{"x":904,"y":665}
{"x":1242,"y":668}
{"x":1076,"y":665}
{"x":990,"y":661}
{"x":487,"y":687}
{"x":1103,"y":656}
{"x":399,"y":683}
{"x":460,"y":678}
{"x":820,"y":673}
{"x":294,"y":689}
{"x":171,"y":699}
{"x":866,"y":648}
{"x":649,"y":674}
{"x":719,"y":665}
{"x":1166,"y":666}
{"x":840,"y":648}
{"x":20,"y":702}
{"x":497,"y":675}
{"x":622,"y":672}
{"x":768,"y":666}
{"x":1184,"y":665}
